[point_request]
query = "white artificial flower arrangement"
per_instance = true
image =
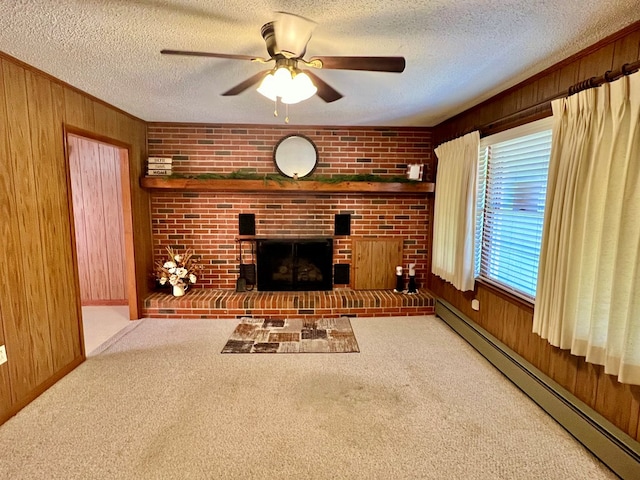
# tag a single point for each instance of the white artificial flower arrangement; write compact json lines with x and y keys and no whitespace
{"x":178,"y":270}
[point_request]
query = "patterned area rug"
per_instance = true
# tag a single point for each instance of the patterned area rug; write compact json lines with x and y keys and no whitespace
{"x":296,"y":335}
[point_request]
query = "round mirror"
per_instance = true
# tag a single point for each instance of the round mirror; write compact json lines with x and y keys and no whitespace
{"x":295,"y":156}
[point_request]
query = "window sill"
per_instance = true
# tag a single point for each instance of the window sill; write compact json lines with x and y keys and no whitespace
{"x":506,"y":295}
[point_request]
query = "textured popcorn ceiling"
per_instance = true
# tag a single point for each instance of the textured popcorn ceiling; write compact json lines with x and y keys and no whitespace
{"x":458,"y":52}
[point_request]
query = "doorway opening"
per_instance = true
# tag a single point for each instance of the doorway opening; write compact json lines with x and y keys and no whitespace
{"x":103,"y":223}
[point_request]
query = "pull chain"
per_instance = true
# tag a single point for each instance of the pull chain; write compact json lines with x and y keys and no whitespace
{"x":275,"y":110}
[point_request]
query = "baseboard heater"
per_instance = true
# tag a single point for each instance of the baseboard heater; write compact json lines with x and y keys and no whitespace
{"x":612,"y":446}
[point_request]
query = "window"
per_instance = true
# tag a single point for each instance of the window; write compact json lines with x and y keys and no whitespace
{"x":512,"y":186}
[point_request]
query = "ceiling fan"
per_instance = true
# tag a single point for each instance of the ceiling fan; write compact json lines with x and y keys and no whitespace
{"x":286,"y":39}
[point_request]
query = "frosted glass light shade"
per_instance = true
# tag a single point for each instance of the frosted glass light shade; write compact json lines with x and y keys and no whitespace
{"x":292,"y":33}
{"x":290,"y":86}
{"x":268,"y":87}
{"x":301,"y":88}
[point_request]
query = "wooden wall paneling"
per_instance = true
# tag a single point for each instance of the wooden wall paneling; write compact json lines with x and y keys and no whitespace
{"x":78,"y":110}
{"x":626,"y":50}
{"x":32,"y":349}
{"x":5,"y":380}
{"x":98,"y":206}
{"x":488,"y":310}
{"x":563,"y":368}
{"x":128,"y":232}
{"x":50,"y":183}
{"x":511,"y":331}
{"x":71,"y":323}
{"x":587,"y":379}
{"x":106,"y":120}
{"x":547,"y":86}
{"x":141,"y":221}
{"x":113,"y":218}
{"x":529,"y":342}
{"x":613,"y":401}
{"x":527,"y":96}
{"x":568,"y":76}
{"x":90,"y":166}
{"x":597,"y":63}
{"x":79,"y":216}
{"x":137,"y":222}
{"x":542,"y":354}
{"x":8,"y":227}
{"x":15,"y":310}
{"x":634,"y":422}
{"x":525,"y":337}
{"x":497,"y":321}
{"x":92,"y":213}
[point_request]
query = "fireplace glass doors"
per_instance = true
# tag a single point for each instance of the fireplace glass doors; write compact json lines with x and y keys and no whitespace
{"x":295,"y":264}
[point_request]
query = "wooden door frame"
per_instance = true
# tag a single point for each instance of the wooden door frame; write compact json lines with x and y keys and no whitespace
{"x":127,"y":210}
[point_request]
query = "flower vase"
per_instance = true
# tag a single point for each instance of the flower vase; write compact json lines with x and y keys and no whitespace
{"x":178,"y":290}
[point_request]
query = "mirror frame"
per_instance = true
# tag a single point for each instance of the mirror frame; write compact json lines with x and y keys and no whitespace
{"x":282,"y":159}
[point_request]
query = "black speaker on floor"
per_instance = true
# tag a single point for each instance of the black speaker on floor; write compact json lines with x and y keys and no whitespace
{"x":341,"y":274}
{"x":246,"y":224}
{"x":342,"y":224}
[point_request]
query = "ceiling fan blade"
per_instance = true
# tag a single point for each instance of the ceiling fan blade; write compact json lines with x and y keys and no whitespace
{"x":208,"y":54}
{"x":372,"y":64}
{"x":325,"y":91}
{"x":241,"y":87}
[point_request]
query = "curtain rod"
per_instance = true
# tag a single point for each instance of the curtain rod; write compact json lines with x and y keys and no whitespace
{"x":544,"y":106}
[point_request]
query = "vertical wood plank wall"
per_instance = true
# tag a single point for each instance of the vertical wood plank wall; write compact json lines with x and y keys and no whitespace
{"x":506,"y":318}
{"x":99,"y":224}
{"x":40,"y":317}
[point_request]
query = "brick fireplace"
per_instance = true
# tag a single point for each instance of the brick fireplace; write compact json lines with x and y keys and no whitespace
{"x":208,"y":221}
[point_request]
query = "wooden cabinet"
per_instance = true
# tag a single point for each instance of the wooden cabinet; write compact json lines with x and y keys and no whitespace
{"x":374,"y":262}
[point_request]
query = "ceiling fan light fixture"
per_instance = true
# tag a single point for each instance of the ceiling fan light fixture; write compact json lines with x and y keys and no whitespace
{"x":302,"y":88}
{"x":270,"y":85}
{"x":287,"y":84}
{"x":292,"y":33}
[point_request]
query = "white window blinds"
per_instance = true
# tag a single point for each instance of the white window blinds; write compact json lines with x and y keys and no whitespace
{"x":512,"y":185}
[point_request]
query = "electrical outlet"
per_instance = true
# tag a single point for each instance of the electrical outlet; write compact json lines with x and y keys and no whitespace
{"x":475,"y":304}
{"x":3,"y":354}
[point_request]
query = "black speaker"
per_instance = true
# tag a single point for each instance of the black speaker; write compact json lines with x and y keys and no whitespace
{"x":342,"y":224}
{"x":341,"y":274}
{"x":246,"y":224}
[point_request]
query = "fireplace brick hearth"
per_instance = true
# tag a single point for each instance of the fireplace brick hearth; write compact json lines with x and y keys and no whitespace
{"x":210,"y":303}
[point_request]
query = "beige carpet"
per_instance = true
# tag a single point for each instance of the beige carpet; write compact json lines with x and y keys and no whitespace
{"x":416,"y":402}
{"x":292,"y":335}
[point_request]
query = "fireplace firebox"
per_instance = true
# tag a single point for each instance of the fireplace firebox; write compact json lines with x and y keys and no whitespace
{"x":294,"y":264}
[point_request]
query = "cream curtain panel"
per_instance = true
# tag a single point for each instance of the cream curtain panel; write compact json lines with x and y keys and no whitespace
{"x":454,"y":211}
{"x":588,"y":292}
